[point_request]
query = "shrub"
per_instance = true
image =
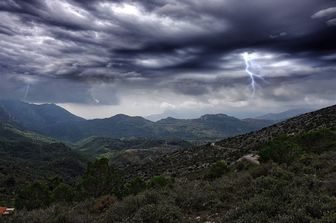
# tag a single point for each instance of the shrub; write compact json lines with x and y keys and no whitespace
{"x":101,"y":179}
{"x":103,"y":203}
{"x":195,"y":196}
{"x":123,"y":210}
{"x":217,"y":170}
{"x":157,"y":213}
{"x":160,"y":181}
{"x":281,"y":150}
{"x":63,"y":192}
{"x":318,"y":141}
{"x":34,"y":196}
{"x":135,"y":186}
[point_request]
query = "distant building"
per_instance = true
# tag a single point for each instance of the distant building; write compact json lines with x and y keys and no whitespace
{"x":6,"y":210}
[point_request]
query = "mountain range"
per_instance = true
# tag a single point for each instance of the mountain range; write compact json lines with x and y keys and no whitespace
{"x":54,"y":121}
{"x":284,"y":115}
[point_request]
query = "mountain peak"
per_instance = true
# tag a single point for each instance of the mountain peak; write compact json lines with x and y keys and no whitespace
{"x":36,"y":117}
{"x":120,"y":116}
{"x":214,"y":116}
{"x":126,"y":117}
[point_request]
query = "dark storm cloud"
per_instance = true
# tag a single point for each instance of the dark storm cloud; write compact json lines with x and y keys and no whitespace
{"x":79,"y":45}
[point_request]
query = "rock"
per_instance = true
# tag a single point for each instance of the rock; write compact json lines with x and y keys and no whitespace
{"x":251,"y":158}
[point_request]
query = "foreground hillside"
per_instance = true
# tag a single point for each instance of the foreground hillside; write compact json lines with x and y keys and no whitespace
{"x":290,"y":178}
{"x":195,"y":159}
{"x":26,"y":156}
{"x":295,"y":182}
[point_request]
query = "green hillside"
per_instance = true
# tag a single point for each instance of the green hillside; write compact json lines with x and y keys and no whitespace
{"x":37,"y":118}
{"x":97,"y":147}
{"x":27,"y":156}
{"x":287,"y":174}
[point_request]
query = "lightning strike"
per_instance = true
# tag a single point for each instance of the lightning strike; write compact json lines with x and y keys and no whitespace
{"x":248,"y":65}
{"x":96,"y":100}
{"x":26,"y":92}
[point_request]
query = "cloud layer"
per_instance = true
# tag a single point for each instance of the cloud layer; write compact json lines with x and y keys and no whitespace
{"x":145,"y":57}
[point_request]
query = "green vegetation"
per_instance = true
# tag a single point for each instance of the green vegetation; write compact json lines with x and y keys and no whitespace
{"x":34,"y":117}
{"x":100,"y":147}
{"x":10,"y":133}
{"x":217,"y":170}
{"x":281,"y":150}
{"x":26,"y":157}
{"x":135,"y":186}
{"x":99,"y":180}
{"x":34,"y":196}
{"x":294,"y":185}
{"x":160,"y":181}
{"x":293,"y":180}
{"x":286,"y":149}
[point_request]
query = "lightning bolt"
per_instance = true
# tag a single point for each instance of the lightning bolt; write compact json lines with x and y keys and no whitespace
{"x":248,"y":65}
{"x":26,"y":92}
{"x":96,"y":100}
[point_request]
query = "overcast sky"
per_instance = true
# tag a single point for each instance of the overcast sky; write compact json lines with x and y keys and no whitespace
{"x":178,"y":57}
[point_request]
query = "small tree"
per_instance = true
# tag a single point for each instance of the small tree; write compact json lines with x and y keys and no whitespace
{"x":10,"y":182}
{"x":63,"y":192}
{"x":101,"y":179}
{"x":217,"y":170}
{"x":135,"y":186}
{"x":281,"y":150}
{"x":34,"y":196}
{"x":160,"y":181}
{"x":97,"y":179}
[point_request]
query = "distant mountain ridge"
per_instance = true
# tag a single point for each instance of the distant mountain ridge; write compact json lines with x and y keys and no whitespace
{"x":36,"y":117}
{"x":55,"y":121}
{"x":206,"y":127}
{"x":284,"y":115}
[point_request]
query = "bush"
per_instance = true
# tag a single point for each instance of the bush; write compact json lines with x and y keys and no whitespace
{"x":103,"y":203}
{"x":281,"y":150}
{"x":195,"y":196}
{"x":101,"y":179}
{"x":157,"y":213}
{"x":217,"y":170}
{"x":318,"y":141}
{"x":34,"y":196}
{"x":135,"y":186}
{"x":123,"y":210}
{"x":160,"y":181}
{"x":63,"y":192}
